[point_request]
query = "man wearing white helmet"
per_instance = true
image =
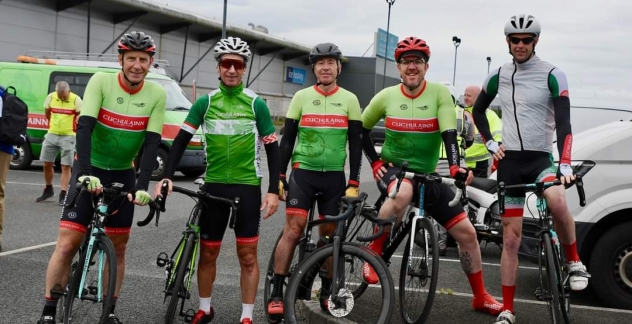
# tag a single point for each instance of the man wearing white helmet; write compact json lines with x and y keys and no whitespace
{"x":534,"y":101}
{"x":236,"y":122}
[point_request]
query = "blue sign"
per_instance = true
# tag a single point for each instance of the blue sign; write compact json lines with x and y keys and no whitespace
{"x":380,"y":45}
{"x":295,"y":75}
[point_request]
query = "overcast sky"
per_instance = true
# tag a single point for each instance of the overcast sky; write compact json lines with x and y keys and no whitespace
{"x":589,"y":40}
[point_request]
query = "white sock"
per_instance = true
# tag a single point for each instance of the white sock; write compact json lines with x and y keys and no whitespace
{"x":246,"y":311}
{"x":205,"y":304}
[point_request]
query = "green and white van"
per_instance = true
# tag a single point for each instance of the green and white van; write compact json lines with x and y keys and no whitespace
{"x":34,"y":79}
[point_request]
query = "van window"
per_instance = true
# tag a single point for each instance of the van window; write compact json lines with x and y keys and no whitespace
{"x":76,"y":81}
{"x":176,"y":99}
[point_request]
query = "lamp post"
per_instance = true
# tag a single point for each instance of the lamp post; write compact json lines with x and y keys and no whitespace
{"x":457,"y":42}
{"x":224,"y":21}
{"x":388,"y":26}
{"x":489,"y":62}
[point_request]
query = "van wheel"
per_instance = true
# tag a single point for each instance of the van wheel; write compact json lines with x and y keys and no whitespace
{"x":193,"y":172}
{"x":160,"y":167}
{"x":22,"y":157}
{"x":611,"y":267}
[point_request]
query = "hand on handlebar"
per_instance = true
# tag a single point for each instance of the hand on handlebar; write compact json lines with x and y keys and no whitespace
{"x":158,"y":187}
{"x":462,"y":174}
{"x":566,"y":173}
{"x":94,"y":184}
{"x":139,"y":197}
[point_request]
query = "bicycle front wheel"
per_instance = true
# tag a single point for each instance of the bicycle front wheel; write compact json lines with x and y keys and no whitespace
{"x":377,"y":308}
{"x":553,"y":281}
{"x":419,"y":273}
{"x":96,"y":288}
{"x":178,"y":291}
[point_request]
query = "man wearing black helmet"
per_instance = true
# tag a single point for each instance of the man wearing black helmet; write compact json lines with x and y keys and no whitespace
{"x":323,"y":116}
{"x":116,"y":106}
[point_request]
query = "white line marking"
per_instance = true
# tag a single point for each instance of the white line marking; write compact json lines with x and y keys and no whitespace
{"x":33,"y":172}
{"x":484,"y":263}
{"x":29,"y":248}
{"x":29,"y":183}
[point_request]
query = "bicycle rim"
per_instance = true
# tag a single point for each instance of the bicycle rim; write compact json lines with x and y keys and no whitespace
{"x":178,"y":290}
{"x":365,"y":312}
{"x":92,"y":308}
{"x":552,"y":281}
{"x":419,"y":275}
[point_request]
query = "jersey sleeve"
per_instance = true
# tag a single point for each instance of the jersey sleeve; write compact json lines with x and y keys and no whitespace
{"x":93,"y":95}
{"x":78,"y":104}
{"x":294,"y":111}
{"x":196,"y":114}
{"x":157,"y":117}
{"x":558,"y":84}
{"x":469,"y":127}
{"x":262,"y":116}
{"x":490,"y":85}
{"x":47,"y":101}
{"x":495,"y":125}
{"x":375,"y":110}
{"x":445,"y":110}
{"x":354,"y":112}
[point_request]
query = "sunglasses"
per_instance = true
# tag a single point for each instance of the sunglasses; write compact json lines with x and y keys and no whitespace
{"x":525,"y":40}
{"x":239,"y":65}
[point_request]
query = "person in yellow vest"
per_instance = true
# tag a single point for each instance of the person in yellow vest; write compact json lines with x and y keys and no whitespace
{"x":476,"y":156}
{"x":61,"y":108}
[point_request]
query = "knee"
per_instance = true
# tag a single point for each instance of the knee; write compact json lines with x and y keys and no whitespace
{"x":465,"y":236}
{"x":66,"y":248}
{"x":65,"y":168}
{"x":120,"y":249}
{"x":248,"y":260}
{"x":293,"y":232}
{"x":557,"y":204}
{"x":511,"y":239}
{"x":208,"y":255}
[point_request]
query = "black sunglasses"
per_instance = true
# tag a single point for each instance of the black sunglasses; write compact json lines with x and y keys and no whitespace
{"x":525,"y":40}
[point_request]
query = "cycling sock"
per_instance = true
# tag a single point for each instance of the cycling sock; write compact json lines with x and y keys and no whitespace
{"x":508,"y":297}
{"x":246,"y":311}
{"x":50,"y":307}
{"x":205,"y":304}
{"x":571,"y":252}
{"x":476,"y":283}
{"x":113,"y":305}
{"x":49,"y":186}
{"x":378,"y":245}
{"x":277,"y":281}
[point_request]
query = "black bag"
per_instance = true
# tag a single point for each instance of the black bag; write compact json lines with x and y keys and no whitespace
{"x":13,"y":119}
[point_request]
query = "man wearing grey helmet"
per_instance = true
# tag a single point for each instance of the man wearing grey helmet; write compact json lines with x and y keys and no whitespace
{"x":323,"y":117}
{"x":237,"y":121}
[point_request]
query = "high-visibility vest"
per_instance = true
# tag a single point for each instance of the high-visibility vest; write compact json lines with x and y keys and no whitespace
{"x":460,"y":131}
{"x":63,"y":115}
{"x":478,"y":151}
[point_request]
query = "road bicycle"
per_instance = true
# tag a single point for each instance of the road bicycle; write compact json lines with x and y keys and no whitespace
{"x":92,"y":278}
{"x":555,"y":284}
{"x":180,"y":266}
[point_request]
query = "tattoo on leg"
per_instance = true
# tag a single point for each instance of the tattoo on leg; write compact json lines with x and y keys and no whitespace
{"x":466,"y":262}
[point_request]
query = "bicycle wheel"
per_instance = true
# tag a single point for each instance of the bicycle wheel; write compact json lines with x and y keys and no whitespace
{"x":98,"y":290}
{"x":61,"y":303}
{"x":419,"y":274}
{"x":563,"y":285}
{"x":296,"y":302}
{"x":553,"y":280}
{"x":177,"y":291}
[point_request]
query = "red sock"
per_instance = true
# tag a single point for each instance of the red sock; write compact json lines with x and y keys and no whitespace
{"x":571,"y":252}
{"x":378,"y":244}
{"x":508,"y":297}
{"x":476,"y":282}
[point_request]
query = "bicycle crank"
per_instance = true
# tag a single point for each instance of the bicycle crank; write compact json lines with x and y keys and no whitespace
{"x":343,"y":305}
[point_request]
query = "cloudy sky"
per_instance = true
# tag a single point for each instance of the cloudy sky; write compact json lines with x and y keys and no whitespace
{"x":587,"y":39}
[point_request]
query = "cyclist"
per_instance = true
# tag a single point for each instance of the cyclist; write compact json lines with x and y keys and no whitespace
{"x":324,"y":116}
{"x":115,"y":107}
{"x":525,"y":154}
{"x":477,"y":157}
{"x":418,"y":115}
{"x":236,"y":121}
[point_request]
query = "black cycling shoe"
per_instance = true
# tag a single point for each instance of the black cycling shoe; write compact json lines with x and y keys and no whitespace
{"x":46,"y":319}
{"x":113,"y":319}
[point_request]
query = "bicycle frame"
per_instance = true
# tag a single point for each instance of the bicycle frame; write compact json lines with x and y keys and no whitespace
{"x":192,"y":227}
{"x":100,"y":214}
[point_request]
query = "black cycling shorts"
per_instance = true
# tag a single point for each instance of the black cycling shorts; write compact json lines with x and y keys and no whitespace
{"x":303,"y":186}
{"x":215,"y":214}
{"x":522,"y":167}
{"x":78,"y":218}
{"x":437,"y":197}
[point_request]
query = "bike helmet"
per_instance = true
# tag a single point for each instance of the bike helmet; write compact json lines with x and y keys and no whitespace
{"x":232,"y":45}
{"x":137,"y":41}
{"x":451,"y":88}
{"x":412,"y":44}
{"x":522,"y":24}
{"x":324,"y":50}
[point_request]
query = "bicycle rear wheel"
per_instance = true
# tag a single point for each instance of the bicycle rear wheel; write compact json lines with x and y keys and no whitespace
{"x":100,"y":269}
{"x":419,"y":273}
{"x":177,"y":290}
{"x":553,"y":280}
{"x":303,"y":278}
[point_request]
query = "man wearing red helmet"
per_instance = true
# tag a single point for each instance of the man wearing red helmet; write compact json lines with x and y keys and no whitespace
{"x":418,"y":116}
{"x":120,"y":114}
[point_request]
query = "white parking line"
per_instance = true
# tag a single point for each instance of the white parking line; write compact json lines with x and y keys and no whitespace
{"x":484,"y":263}
{"x":28,"y":248}
{"x":29,"y":183}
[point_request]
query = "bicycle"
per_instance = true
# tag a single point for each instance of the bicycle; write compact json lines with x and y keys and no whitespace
{"x":180,"y":266}
{"x":96,"y":250}
{"x":558,"y":298}
{"x":421,"y":233}
{"x":341,"y":300}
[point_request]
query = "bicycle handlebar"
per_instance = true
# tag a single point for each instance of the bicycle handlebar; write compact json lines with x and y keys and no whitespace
{"x":427,"y":178}
{"x":539,"y":187}
{"x":379,"y":222}
{"x":349,"y":203}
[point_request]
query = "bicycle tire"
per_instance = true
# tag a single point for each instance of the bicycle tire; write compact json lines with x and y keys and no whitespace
{"x":178,"y":286}
{"x":563,"y":284}
{"x":424,"y":224}
{"x":101,"y":243}
{"x":269,"y":274}
{"x":61,"y":303}
{"x":552,"y":280}
{"x":319,"y":256}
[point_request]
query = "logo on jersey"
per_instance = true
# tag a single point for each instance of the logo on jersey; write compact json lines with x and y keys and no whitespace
{"x":428,"y":125}
{"x":220,"y":104}
{"x":403,"y":107}
{"x":140,"y":105}
{"x":316,"y":102}
{"x":330,"y":121}
{"x":119,"y":100}
{"x":336,"y":104}
{"x":293,"y":202}
{"x":425,"y":107}
{"x":114,"y":120}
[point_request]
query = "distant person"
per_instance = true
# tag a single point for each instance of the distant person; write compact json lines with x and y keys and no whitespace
{"x":6,"y":154}
{"x":477,"y":157}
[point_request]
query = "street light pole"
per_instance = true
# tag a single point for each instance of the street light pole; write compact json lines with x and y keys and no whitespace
{"x":489,"y":62}
{"x":224,"y":22}
{"x":388,"y":26}
{"x":457,"y":42}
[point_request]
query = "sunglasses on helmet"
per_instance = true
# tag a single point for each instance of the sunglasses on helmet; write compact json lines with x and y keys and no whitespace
{"x":524,"y":40}
{"x":226,"y":64}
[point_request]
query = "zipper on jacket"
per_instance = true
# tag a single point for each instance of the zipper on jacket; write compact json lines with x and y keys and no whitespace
{"x":513,"y":99}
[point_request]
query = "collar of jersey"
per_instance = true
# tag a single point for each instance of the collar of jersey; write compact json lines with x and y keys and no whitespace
{"x":231,"y":91}
{"x":528,"y":64}
{"x":326,"y":94}
{"x":126,"y":89}
{"x":423,"y":87}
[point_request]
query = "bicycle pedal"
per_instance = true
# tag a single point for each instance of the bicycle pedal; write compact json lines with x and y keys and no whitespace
{"x":162,"y":259}
{"x":538,"y":294}
{"x":57,"y":292}
{"x":188,"y":315}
